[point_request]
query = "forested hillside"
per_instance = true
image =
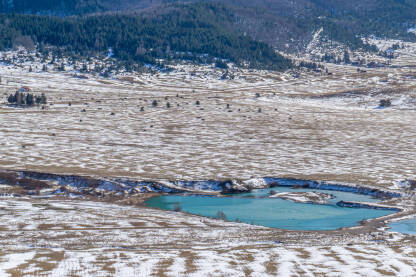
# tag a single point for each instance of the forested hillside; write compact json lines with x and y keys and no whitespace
{"x":286,"y":24}
{"x":238,"y":30}
{"x":291,"y":23}
{"x":51,"y":7}
{"x":198,"y":32}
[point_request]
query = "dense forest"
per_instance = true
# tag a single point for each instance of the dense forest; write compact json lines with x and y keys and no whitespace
{"x":51,"y":7}
{"x":383,"y":18}
{"x":241,"y":31}
{"x":290,"y":24}
{"x":199,"y":32}
{"x":285,"y":24}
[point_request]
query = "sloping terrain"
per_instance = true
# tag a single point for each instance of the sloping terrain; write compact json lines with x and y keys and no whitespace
{"x":286,"y":24}
{"x":83,"y":238}
{"x":197,"y":32}
{"x":199,"y":121}
{"x":51,"y":7}
{"x":308,"y":125}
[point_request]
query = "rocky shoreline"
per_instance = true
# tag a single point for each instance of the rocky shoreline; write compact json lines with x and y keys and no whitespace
{"x":360,"y":205}
{"x":127,"y":191}
{"x":59,"y":184}
{"x":303,"y":197}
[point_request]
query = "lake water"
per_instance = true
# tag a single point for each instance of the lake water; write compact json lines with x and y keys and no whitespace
{"x":407,"y":226}
{"x":254,"y":208}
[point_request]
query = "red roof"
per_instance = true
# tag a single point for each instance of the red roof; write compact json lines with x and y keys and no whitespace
{"x":24,"y":89}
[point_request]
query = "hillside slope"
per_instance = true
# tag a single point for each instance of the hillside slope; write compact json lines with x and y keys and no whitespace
{"x":285,"y":24}
{"x":197,"y":32}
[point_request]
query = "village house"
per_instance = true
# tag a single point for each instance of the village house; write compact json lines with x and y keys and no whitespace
{"x":24,"y":97}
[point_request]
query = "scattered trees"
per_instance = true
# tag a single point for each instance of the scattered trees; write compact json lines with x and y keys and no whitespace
{"x":311,"y":65}
{"x":26,"y":99}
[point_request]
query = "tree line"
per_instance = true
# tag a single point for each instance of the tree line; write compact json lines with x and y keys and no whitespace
{"x":26,"y":99}
{"x":196,"y":32}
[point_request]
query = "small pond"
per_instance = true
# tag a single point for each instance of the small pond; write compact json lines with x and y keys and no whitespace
{"x":257,"y":208}
{"x":407,"y":226}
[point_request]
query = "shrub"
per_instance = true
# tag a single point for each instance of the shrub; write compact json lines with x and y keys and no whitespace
{"x":11,"y":99}
{"x":29,"y":99}
{"x":177,"y":207}
{"x":221,"y":215}
{"x":384,"y":103}
{"x":43,"y":99}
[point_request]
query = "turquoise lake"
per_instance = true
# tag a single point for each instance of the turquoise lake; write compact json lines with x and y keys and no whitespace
{"x":254,"y":208}
{"x":407,"y":226}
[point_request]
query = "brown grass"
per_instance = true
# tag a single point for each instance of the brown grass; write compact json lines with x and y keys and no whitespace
{"x":303,"y":254}
{"x":162,"y":266}
{"x":271,"y":265}
{"x":138,"y":223}
{"x":385,"y":272}
{"x":190,"y":259}
{"x":333,"y":255}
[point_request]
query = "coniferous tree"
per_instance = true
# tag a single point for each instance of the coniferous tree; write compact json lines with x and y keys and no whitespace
{"x":195,"y":33}
{"x":29,"y":99}
{"x":43,"y":99}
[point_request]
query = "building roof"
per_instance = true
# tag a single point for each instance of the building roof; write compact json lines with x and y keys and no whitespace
{"x":24,"y":89}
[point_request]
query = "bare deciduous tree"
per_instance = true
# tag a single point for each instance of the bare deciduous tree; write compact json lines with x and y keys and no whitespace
{"x":24,"y":41}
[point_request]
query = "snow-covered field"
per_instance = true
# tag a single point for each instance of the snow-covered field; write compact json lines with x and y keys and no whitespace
{"x":81,"y":238}
{"x":306,"y":125}
{"x":317,"y":126}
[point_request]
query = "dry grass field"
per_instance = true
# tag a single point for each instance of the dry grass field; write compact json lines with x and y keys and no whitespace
{"x":82,"y":238}
{"x":313,"y":126}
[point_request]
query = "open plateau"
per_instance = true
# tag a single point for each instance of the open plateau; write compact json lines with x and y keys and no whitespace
{"x":205,"y":169}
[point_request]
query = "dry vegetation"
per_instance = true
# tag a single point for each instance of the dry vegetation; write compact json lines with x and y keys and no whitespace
{"x":50,"y":238}
{"x":314,"y":126}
